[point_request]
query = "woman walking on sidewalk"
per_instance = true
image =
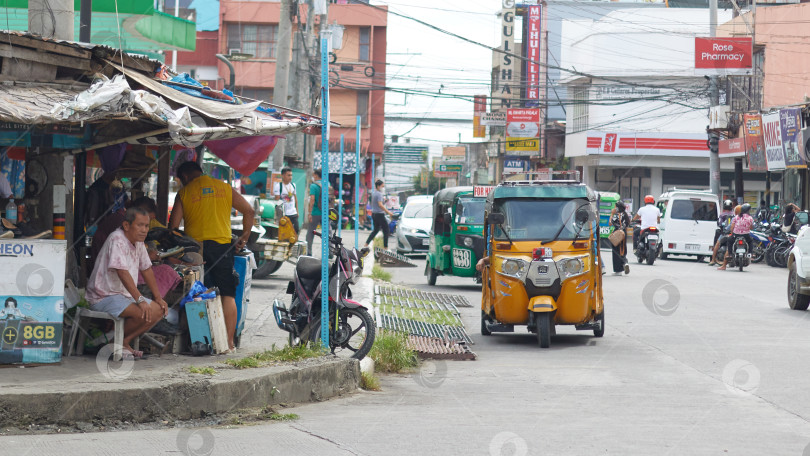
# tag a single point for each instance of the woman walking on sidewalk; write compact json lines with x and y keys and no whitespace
{"x":620,"y":221}
{"x":378,"y":212}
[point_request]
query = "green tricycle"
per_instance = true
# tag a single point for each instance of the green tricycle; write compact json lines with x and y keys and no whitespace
{"x":457,"y":235}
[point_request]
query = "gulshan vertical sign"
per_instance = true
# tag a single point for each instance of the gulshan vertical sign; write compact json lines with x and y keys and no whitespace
{"x":506,"y":75}
{"x":533,"y":55}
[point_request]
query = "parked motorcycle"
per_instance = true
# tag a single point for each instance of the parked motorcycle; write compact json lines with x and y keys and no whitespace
{"x":760,"y":245}
{"x":351,"y":328}
{"x":648,"y":245}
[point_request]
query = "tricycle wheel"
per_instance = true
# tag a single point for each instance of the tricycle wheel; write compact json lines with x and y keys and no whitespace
{"x":484,"y":320}
{"x":544,"y":325}
{"x":431,"y":274}
{"x":599,"y":332}
{"x":266,"y":268}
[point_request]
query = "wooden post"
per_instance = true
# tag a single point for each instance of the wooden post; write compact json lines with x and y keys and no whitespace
{"x":164,"y":162}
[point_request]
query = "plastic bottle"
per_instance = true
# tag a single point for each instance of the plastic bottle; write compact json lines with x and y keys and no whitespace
{"x":11,"y":211}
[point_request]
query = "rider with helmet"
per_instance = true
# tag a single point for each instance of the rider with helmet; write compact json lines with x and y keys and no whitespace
{"x":649,"y":215}
{"x":740,"y":227}
{"x":723,"y":227}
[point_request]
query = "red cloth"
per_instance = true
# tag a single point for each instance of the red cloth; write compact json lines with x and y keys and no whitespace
{"x":165,"y":276}
{"x":244,"y":154}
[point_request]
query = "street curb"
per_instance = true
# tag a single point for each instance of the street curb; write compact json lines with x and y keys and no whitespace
{"x":228,"y":390}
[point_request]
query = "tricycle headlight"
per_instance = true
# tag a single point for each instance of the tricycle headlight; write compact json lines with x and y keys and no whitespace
{"x":468,"y":241}
{"x":513,"y":267}
{"x":570,"y":267}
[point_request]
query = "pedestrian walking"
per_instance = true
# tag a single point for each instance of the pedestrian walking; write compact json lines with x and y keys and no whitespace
{"x":286,"y":192}
{"x":378,"y":212}
{"x":204,"y":206}
{"x":620,"y":221}
{"x":314,"y":209}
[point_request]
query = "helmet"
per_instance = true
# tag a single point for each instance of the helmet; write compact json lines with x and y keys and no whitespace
{"x":649,"y":199}
{"x":745,"y":208}
{"x":727,"y":205}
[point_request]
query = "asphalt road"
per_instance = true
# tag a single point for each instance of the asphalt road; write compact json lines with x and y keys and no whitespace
{"x":694,"y":361}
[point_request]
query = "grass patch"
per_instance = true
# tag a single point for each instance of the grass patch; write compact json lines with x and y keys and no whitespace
{"x":391,"y":353}
{"x":369,"y":381}
{"x":378,"y":273}
{"x":439,"y":317}
{"x":276,"y":355}
{"x":283,"y":417}
{"x":378,"y":242}
{"x":202,"y":370}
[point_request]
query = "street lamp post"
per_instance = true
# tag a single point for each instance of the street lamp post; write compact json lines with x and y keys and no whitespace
{"x":227,"y":59}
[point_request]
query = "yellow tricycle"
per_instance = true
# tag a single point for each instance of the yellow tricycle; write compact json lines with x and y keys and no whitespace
{"x":543,"y":267}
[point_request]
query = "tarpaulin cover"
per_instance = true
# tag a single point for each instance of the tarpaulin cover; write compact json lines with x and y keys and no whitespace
{"x":244,"y":154}
{"x":198,"y":290}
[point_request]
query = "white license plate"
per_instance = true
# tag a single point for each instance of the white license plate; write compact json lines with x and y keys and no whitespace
{"x":652,"y":237}
{"x":426,"y":241}
{"x":692,"y":246}
{"x":740,"y":250}
{"x":461,"y":258}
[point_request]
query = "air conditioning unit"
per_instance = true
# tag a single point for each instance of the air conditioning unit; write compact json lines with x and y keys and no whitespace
{"x":234,"y":51}
{"x":718,"y":117}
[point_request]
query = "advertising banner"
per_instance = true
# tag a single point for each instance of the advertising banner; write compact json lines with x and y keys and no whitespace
{"x":480,"y":191}
{"x":722,"y":56}
{"x":479,"y":108}
{"x":523,"y":129}
{"x":772,"y":134}
{"x":533,"y":54}
{"x":754,"y":143}
{"x":507,"y":88}
{"x":790,"y":121}
{"x":513,"y":165}
{"x":493,"y":119}
{"x":31,"y":300}
{"x":731,"y":148}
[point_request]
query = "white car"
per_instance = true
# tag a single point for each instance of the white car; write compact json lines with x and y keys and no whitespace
{"x":414,"y":225}
{"x":798,"y":286}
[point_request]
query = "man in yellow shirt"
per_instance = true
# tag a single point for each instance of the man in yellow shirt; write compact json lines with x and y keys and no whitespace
{"x":204,"y":205}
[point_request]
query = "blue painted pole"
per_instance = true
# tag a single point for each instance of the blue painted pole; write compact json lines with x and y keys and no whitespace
{"x":340,"y":189}
{"x":372,"y":171}
{"x":325,"y":47}
{"x":357,"y":188}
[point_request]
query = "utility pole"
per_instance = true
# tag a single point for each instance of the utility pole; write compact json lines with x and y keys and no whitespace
{"x":303,"y":81}
{"x":283,"y":56}
{"x":714,"y":159}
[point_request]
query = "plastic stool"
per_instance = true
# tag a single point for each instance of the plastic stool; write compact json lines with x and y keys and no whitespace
{"x":85,"y":313}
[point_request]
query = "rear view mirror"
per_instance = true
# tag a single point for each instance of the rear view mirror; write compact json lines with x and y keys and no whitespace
{"x":496,"y":218}
{"x":582,"y":216}
{"x":447,"y":218}
{"x":803,"y":217}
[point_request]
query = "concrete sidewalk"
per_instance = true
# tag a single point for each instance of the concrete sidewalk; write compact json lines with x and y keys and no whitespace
{"x":92,"y":387}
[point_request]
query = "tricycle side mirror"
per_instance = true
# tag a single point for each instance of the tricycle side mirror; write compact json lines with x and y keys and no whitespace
{"x":448,"y":219}
{"x":496,"y":218}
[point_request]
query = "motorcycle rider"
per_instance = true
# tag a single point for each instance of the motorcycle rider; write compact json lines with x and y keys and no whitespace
{"x":650,"y":216}
{"x":723,"y":224}
{"x":740,"y":227}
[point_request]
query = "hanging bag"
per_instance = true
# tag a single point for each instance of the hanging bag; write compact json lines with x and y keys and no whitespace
{"x":616,"y":237}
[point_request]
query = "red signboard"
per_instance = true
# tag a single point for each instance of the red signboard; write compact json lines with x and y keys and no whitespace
{"x":722,"y":56}
{"x":533,"y":54}
{"x":734,"y":147}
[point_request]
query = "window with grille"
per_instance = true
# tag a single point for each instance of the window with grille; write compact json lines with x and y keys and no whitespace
{"x":362,"y":106}
{"x":580,"y":109}
{"x":365,"y":44}
{"x":258,"y":40}
{"x":262,"y":94}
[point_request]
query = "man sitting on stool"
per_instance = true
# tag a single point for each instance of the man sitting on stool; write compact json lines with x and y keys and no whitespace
{"x":112,"y":288}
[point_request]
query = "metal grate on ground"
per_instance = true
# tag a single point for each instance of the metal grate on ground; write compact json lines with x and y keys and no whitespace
{"x":432,"y":348}
{"x":428,"y":296}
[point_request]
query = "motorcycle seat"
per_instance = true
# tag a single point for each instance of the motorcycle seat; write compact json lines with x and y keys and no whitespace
{"x":308,"y":267}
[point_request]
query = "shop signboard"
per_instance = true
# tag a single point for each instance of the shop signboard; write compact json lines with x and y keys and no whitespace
{"x":790,"y":121}
{"x":723,"y":56}
{"x":452,"y":167}
{"x":482,"y":191}
{"x":513,"y":165}
{"x":480,"y":107}
{"x":31,"y":301}
{"x":493,"y":119}
{"x":772,"y":134}
{"x":533,"y":54}
{"x":731,"y":148}
{"x":754,"y":143}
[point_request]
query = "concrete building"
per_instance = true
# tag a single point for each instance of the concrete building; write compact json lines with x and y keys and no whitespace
{"x":638,"y":120}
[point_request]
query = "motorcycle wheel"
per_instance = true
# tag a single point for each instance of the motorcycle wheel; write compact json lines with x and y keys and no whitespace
{"x":544,"y":325}
{"x":758,"y":253}
{"x":769,"y":256}
{"x":650,"y":259}
{"x":266,"y":268}
{"x":355,"y":333}
{"x":796,"y":301}
{"x":780,"y":256}
{"x":741,"y":264}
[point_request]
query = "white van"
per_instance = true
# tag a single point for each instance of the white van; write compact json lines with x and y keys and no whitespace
{"x":688,"y":222}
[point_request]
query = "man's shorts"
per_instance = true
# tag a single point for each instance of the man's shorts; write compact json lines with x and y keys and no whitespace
{"x":219,"y":271}
{"x":113,"y":304}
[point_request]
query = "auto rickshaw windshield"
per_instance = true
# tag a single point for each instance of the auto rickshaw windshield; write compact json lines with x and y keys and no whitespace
{"x":470,"y":211}
{"x":541,"y":219}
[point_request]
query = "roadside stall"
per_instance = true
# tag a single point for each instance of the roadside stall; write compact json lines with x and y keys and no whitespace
{"x":68,"y":108}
